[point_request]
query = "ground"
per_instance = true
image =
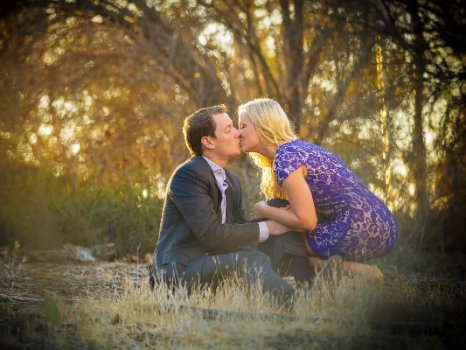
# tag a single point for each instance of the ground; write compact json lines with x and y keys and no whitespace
{"x":425,"y":306}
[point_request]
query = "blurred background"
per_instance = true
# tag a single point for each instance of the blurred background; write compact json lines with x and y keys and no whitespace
{"x":93,"y":94}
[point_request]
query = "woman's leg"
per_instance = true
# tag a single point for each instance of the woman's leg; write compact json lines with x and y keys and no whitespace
{"x":350,"y":268}
{"x":364,"y":271}
{"x":316,"y":263}
{"x":306,"y":244}
{"x":353,"y":269}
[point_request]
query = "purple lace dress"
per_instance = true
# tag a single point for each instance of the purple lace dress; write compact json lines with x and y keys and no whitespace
{"x":352,"y":221}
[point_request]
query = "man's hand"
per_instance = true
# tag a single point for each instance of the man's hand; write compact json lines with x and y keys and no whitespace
{"x":258,"y":211}
{"x":276,"y":229}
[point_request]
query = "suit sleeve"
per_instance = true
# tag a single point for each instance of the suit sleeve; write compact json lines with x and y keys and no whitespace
{"x":190,"y":193}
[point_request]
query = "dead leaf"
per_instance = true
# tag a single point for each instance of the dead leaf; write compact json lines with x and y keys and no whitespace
{"x":116,"y":320}
{"x":133,"y":258}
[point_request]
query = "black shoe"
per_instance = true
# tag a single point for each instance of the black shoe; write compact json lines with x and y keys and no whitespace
{"x":330,"y":274}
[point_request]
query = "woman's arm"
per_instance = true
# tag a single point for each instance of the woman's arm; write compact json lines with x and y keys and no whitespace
{"x":303,"y":216}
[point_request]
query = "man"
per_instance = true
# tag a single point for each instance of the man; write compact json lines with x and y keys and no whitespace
{"x":204,"y":233}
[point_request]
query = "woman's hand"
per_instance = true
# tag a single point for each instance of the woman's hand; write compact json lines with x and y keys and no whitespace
{"x":258,"y":211}
{"x":288,"y":207}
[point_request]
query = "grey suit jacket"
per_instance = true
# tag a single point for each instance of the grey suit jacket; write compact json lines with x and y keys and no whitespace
{"x":191,"y":225}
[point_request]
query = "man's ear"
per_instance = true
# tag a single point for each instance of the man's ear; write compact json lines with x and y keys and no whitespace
{"x":207,"y":142}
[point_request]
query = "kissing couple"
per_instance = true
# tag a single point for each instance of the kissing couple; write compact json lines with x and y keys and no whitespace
{"x":319,"y":221}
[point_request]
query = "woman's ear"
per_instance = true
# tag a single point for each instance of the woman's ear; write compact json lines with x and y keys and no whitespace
{"x":207,"y":142}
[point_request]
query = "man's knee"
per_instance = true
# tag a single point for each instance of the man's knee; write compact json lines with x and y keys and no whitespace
{"x":256,"y":258}
{"x":171,"y":275}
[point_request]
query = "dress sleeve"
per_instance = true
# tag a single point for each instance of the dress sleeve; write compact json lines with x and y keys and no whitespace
{"x":286,"y":161}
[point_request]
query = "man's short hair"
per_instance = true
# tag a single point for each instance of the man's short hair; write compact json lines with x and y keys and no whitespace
{"x":200,"y":124}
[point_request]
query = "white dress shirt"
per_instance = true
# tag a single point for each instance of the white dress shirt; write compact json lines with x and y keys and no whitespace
{"x":220,"y":177}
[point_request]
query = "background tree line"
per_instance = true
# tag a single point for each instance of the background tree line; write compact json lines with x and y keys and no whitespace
{"x":93,"y":94}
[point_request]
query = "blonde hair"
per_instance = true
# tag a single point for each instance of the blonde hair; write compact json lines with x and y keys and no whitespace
{"x":273,"y":128}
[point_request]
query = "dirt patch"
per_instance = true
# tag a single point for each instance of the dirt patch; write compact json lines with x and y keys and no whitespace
{"x":437,"y":304}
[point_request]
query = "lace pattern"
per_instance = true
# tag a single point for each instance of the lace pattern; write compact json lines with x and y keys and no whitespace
{"x":353,"y":222}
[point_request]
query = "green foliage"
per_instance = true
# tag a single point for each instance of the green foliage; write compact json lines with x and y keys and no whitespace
{"x":42,"y":210}
{"x":52,"y":314}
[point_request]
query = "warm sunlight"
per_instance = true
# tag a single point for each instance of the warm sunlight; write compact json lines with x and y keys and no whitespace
{"x":412,"y":189}
{"x":45,"y":129}
{"x":220,"y":35}
{"x":75,"y":148}
{"x":94,"y":163}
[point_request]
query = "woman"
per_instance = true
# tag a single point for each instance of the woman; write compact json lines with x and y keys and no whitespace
{"x":337,"y":214}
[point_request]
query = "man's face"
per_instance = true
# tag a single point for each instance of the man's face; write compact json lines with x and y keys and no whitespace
{"x":227,"y":144}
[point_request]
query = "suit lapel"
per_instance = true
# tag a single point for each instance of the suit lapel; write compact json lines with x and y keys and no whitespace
{"x":230,"y":193}
{"x":216,"y":195}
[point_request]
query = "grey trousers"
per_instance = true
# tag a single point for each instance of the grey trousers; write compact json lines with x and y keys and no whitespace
{"x":212,"y":269}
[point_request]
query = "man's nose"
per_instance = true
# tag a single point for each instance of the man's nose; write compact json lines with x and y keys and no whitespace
{"x":237,"y":133}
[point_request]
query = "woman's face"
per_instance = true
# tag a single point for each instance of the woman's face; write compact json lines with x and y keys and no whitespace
{"x":250,"y":141}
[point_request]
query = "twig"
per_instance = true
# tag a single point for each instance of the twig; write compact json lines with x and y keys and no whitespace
{"x":17,"y":298}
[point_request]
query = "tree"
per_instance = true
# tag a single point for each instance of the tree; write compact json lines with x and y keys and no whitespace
{"x":426,"y":36}
{"x":370,"y":81}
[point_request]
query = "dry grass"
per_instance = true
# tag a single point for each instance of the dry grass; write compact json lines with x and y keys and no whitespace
{"x":142,"y":318}
{"x":111,"y":306}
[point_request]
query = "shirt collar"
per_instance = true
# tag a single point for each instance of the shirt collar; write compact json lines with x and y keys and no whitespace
{"x":213,"y":166}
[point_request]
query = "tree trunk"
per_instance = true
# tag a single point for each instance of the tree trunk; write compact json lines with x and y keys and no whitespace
{"x":293,"y":39}
{"x":419,"y":147}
